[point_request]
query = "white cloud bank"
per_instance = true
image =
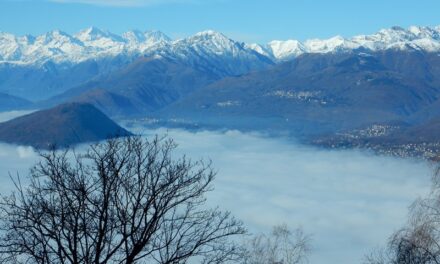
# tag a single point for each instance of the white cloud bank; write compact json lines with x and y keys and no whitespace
{"x":14,"y":161}
{"x":348,"y":200}
{"x":5,"y":116}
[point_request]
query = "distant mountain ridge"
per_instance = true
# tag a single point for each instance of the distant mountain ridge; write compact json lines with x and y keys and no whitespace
{"x":92,"y":43}
{"x":396,"y":38}
{"x":40,"y":67}
{"x":144,"y":86}
{"x":9,"y":102}
{"x":321,"y":93}
{"x":315,"y":88}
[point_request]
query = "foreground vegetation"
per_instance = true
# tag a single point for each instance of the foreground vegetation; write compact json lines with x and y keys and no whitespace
{"x":130,"y":200}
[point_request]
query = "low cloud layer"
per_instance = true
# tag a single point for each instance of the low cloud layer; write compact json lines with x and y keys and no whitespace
{"x":5,"y":116}
{"x":14,"y":161}
{"x":349,"y":201}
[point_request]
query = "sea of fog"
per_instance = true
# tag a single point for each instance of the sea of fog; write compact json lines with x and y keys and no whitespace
{"x":5,"y":116}
{"x":349,"y":201}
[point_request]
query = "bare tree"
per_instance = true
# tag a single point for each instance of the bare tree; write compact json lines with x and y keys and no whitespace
{"x":418,"y":242}
{"x":282,"y":246}
{"x":410,"y":245}
{"x":123,"y":201}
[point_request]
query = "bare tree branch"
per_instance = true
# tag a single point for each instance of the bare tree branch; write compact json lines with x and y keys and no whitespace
{"x":123,"y":201}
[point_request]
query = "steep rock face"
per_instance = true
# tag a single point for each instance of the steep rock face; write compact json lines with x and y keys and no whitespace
{"x":61,"y":126}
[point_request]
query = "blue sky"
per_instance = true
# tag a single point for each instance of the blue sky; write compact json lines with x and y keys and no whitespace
{"x":245,"y":20}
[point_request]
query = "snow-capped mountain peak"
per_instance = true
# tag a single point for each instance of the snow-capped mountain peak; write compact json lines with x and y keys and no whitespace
{"x":156,"y":36}
{"x":209,"y":36}
{"x":135,"y":36}
{"x":420,"y":38}
{"x":286,"y":49}
{"x":93,"y":43}
{"x":94,"y":33}
{"x":207,"y":42}
{"x":55,"y":37}
{"x":209,"y":33}
{"x":259,"y":49}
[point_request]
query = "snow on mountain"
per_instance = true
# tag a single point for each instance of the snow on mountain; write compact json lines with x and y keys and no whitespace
{"x":60,"y":47}
{"x":209,"y":41}
{"x":208,"y":44}
{"x":208,"y":49}
{"x":215,"y":52}
{"x":93,"y":43}
{"x":9,"y":47}
{"x":134,"y":36}
{"x":260,"y":49}
{"x":286,"y":49}
{"x":420,"y":38}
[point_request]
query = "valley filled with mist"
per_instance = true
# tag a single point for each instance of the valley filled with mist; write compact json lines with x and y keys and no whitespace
{"x":240,"y":132}
{"x":349,"y":201}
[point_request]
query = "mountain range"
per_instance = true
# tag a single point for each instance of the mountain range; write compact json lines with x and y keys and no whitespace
{"x":315,"y":89}
{"x":323,"y":93}
{"x":44,"y":66}
{"x":93,"y":43}
{"x":38,"y":67}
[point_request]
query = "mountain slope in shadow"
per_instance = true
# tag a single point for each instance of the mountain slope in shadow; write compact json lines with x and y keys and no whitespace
{"x":320,"y":93}
{"x":9,"y":102}
{"x":144,"y":86}
{"x":62,"y":126}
